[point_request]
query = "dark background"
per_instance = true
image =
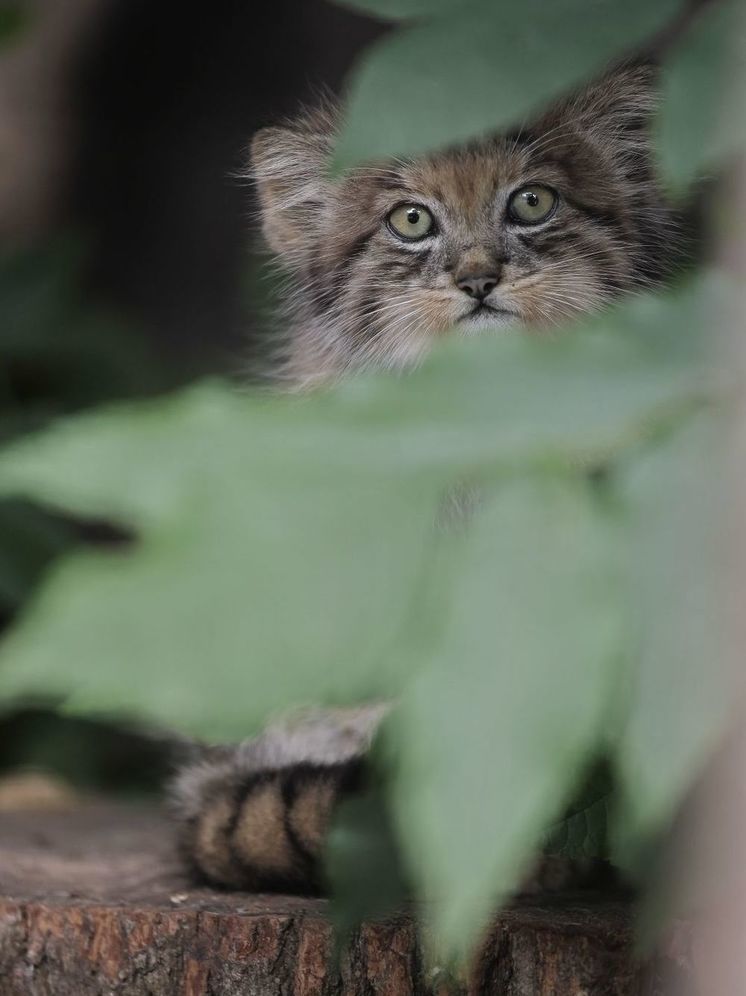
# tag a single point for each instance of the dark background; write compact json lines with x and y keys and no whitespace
{"x":167,"y":98}
{"x":129,"y":257}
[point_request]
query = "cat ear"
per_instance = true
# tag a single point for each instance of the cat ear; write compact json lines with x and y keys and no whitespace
{"x":289,"y":168}
{"x":616,"y":110}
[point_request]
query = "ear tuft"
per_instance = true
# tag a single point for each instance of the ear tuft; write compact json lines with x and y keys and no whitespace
{"x":628,"y":93}
{"x":615,"y":111}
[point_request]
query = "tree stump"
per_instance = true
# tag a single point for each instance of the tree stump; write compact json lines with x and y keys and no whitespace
{"x":94,"y":903}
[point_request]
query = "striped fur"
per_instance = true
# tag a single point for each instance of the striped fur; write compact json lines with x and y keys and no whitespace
{"x":265,"y":831}
{"x":255,"y":816}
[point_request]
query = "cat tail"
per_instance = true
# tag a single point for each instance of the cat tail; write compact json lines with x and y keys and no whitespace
{"x":258,"y":830}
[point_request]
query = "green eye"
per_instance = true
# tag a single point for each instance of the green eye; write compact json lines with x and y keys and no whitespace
{"x":411,"y":221}
{"x":532,"y":205}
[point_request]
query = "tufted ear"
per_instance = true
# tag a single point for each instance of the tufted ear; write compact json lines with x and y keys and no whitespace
{"x":616,"y":110}
{"x":289,"y":167}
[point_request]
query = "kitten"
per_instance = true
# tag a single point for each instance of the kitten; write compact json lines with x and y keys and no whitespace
{"x":552,"y":220}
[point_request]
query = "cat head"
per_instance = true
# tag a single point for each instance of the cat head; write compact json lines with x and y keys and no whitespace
{"x":531,"y":228}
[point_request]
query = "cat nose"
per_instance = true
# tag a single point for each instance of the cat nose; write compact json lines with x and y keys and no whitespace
{"x":477,"y":285}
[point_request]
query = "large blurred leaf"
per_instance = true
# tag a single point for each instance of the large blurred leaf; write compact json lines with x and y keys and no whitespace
{"x":578,"y":396}
{"x":482,"y":68}
{"x":59,"y":352}
{"x":284,"y":541}
{"x":362,"y":863}
{"x":700,"y":123}
{"x":260,"y":581}
{"x":679,"y":693}
{"x":494,"y":735}
{"x":29,"y":539}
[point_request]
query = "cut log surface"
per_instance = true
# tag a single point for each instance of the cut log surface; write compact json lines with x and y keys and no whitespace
{"x":94,"y":903}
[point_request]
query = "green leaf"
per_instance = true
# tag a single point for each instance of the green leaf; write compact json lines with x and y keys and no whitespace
{"x":29,"y":540}
{"x":494,"y":736}
{"x":700,"y":127}
{"x":362,"y":864}
{"x":404,"y":9}
{"x":483,"y":68}
{"x":581,"y":834}
{"x":584,"y":830}
{"x":476,"y":403}
{"x":288,"y":541}
{"x":680,"y":693}
{"x":261,"y":580}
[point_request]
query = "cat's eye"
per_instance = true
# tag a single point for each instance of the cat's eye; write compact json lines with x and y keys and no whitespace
{"x":532,"y":204}
{"x":411,"y":222}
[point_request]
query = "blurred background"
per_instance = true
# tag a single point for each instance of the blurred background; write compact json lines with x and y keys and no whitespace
{"x":130,"y":262}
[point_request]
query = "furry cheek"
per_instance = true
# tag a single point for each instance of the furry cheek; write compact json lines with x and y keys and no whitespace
{"x":439,"y":311}
{"x":551,"y":298}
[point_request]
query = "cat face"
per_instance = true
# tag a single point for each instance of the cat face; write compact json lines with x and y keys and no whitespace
{"x":524,"y":229}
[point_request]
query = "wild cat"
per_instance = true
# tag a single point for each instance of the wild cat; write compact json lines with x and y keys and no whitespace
{"x":519,"y":230}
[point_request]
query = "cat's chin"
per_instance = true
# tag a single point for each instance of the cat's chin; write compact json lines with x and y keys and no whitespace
{"x":486,"y":320}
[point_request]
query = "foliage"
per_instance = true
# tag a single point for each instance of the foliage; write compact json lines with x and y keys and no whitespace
{"x":540,"y":548}
{"x":500,"y":542}
{"x":30,"y":538}
{"x":303,"y":506}
{"x":480,"y":66}
{"x":701,"y":122}
{"x":303,"y":558}
{"x":583,"y":830}
{"x":678,"y":695}
{"x":60,"y":353}
{"x":363,"y":866}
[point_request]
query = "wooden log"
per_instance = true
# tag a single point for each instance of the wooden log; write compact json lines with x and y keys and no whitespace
{"x":93,"y":903}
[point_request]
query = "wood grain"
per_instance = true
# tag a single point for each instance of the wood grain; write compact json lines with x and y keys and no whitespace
{"x":93,"y":903}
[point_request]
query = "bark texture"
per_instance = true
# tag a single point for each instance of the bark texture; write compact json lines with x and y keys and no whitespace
{"x":92,"y":903}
